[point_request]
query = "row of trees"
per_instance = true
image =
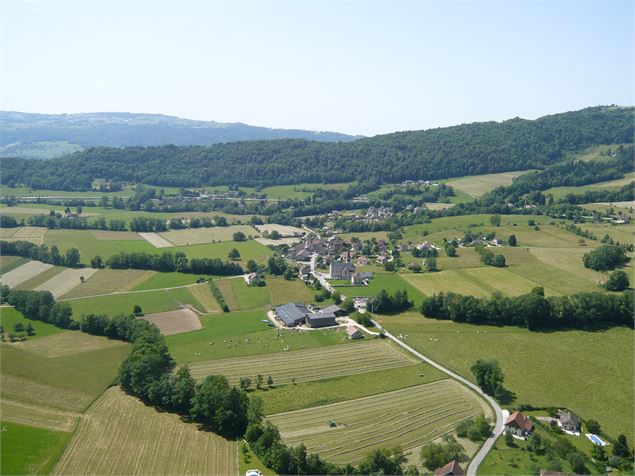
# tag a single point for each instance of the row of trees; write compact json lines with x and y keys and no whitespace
{"x":168,"y":261}
{"x":26,"y":249}
{"x":534,"y":310}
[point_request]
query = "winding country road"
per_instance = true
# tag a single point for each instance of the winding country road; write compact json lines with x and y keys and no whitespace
{"x":498,"y":427}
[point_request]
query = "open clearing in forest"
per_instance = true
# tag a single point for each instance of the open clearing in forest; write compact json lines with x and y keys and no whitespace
{"x":121,"y":435}
{"x":307,"y":365}
{"x":23,"y":273}
{"x":478,"y":185}
{"x":197,"y":236}
{"x":407,"y":417}
{"x":65,"y":281}
{"x":284,"y":230}
{"x":175,"y":322}
{"x":35,"y":415}
{"x":599,"y":365}
{"x":70,"y":381}
{"x":156,"y":240}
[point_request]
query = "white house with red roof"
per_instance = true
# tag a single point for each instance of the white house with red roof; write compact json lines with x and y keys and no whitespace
{"x":518,"y":425}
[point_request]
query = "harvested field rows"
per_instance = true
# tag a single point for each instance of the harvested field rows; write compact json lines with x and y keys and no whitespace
{"x":8,"y":232}
{"x":197,"y":236}
{"x":34,"y":234}
{"x":103,"y":235}
{"x":307,"y":365}
{"x":40,"y":278}
{"x":23,"y":273}
{"x":34,"y":415}
{"x":65,"y":281}
{"x":204,"y":295}
{"x":120,"y":435}
{"x":568,"y":259}
{"x":175,"y":322}
{"x":156,"y":240}
{"x":108,"y":281}
{"x":408,"y":417}
{"x":67,"y":343}
{"x":284,"y":230}
{"x":8,"y":263}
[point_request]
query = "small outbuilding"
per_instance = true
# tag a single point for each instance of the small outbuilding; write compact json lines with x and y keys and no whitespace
{"x":450,"y":469}
{"x":569,"y":421}
{"x":320,"y":319}
{"x":354,"y":333}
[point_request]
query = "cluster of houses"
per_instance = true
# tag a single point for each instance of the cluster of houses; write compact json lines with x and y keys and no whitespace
{"x":408,"y":183}
{"x":520,"y":425}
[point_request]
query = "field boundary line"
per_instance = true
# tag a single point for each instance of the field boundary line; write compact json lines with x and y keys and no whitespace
{"x":129,"y":292}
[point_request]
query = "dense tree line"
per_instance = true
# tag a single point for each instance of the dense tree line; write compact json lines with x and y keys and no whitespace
{"x":220,"y":299}
{"x":26,"y":249}
{"x":623,"y":194}
{"x":534,"y":310}
{"x":467,"y":149}
{"x":386,"y":303}
{"x":607,"y":257}
{"x":168,"y":261}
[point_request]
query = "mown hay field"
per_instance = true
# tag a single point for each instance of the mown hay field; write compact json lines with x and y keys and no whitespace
{"x":7,"y":263}
{"x":121,"y":435}
{"x":407,"y":417}
{"x":36,"y":415}
{"x":239,"y":296}
{"x":65,"y":281}
{"x":195,"y":236}
{"x":156,"y":240}
{"x":590,"y":373}
{"x":309,"y":364}
{"x":40,"y":278}
{"x":34,"y":234}
{"x":123,"y":303}
{"x":283,"y":291}
{"x":478,"y":185}
{"x":23,"y":273}
{"x":107,"y":281}
{"x":569,"y":260}
{"x":284,"y":230}
{"x":65,"y":371}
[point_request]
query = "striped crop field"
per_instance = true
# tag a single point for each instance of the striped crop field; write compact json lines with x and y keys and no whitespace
{"x":121,"y":435}
{"x":407,"y":418}
{"x":309,"y":364}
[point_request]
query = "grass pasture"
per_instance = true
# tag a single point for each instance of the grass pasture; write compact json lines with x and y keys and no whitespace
{"x":590,"y":373}
{"x":29,"y":450}
{"x":309,"y":364}
{"x":120,"y":435}
{"x":282,"y":291}
{"x":174,"y":322}
{"x":561,"y":192}
{"x":10,"y":316}
{"x":407,"y":417}
{"x":240,"y":296}
{"x":301,"y":190}
{"x":197,"y":236}
{"x":150,"y":302}
{"x":239,"y":334}
{"x":35,"y":373}
{"x":156,"y":280}
{"x":569,"y":260}
{"x":478,"y":185}
{"x":391,"y":282}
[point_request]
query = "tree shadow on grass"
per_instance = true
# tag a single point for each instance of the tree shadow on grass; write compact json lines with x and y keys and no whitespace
{"x":506,"y":397}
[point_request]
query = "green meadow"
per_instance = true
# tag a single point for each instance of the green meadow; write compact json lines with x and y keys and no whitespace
{"x":590,"y":373}
{"x":9,"y":317}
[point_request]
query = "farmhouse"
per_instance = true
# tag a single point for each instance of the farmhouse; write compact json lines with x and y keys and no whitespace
{"x":363,"y":260}
{"x":569,"y":421}
{"x":342,"y":270}
{"x":250,"y":278}
{"x":361,"y":279}
{"x":334,"y":309}
{"x":518,"y":424}
{"x":292,"y":314}
{"x":354,"y":333}
{"x":450,"y":469}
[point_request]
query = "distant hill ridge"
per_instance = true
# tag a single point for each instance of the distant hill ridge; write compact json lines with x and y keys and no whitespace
{"x":49,"y":135}
{"x":468,"y":149}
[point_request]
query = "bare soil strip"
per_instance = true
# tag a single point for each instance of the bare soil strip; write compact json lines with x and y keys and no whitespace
{"x":63,"y":282}
{"x":175,"y":322}
{"x":156,"y":240}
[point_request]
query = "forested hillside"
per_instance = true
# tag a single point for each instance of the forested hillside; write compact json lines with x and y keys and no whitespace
{"x":468,"y":149}
{"x":48,"y":135}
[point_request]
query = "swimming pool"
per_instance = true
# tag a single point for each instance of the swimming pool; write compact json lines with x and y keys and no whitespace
{"x":596,"y":439}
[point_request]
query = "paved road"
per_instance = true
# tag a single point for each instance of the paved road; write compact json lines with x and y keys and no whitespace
{"x":498,"y":427}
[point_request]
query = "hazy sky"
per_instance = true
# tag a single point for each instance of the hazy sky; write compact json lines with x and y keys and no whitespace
{"x":355,"y":67}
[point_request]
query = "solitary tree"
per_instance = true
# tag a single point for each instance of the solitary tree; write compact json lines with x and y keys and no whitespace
{"x":252,"y":266}
{"x":489,"y":376}
{"x":259,"y":380}
{"x":245,"y":383}
{"x":450,"y":250}
{"x":234,"y":254}
{"x":239,"y":236}
{"x":269,"y":381}
{"x":29,"y":329}
{"x":620,"y":448}
{"x":593,"y":426}
{"x":511,"y":241}
{"x":18,"y":327}
{"x":495,"y":220}
{"x":618,"y":281}
{"x":136,"y":310}
{"x":431,"y":263}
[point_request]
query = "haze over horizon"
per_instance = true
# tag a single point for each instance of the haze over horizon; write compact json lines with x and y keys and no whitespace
{"x":355,"y":68}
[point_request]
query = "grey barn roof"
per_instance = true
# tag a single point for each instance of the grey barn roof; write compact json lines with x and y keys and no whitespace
{"x":292,"y":313}
{"x":333,"y":309}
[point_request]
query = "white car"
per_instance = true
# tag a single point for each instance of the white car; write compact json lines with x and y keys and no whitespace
{"x":253,"y":472}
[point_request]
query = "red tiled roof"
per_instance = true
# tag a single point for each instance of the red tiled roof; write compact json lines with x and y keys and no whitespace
{"x":520,"y":421}
{"x":452,"y":468}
